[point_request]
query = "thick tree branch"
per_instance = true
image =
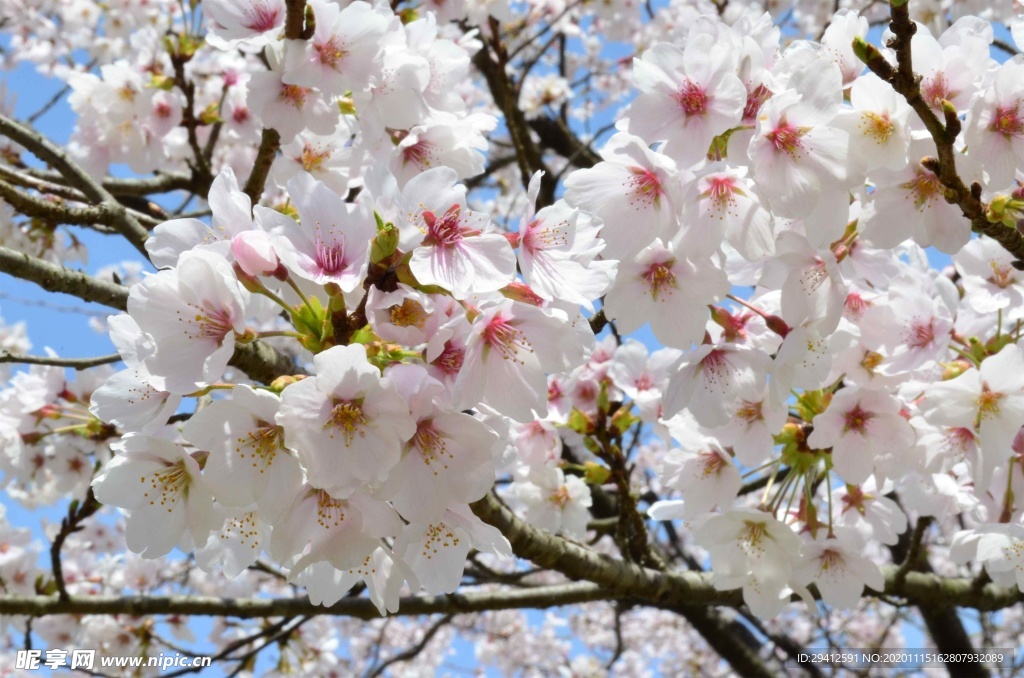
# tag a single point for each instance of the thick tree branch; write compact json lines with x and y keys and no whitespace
{"x":269,"y":145}
{"x":52,"y":211}
{"x":149,"y":214}
{"x":54,"y":278}
{"x":689,"y":589}
{"x":560,"y":139}
{"x":251,"y":608}
{"x":124,"y":222}
{"x":943,"y":623}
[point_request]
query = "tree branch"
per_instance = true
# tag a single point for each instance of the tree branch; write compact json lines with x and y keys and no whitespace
{"x":528,"y":156}
{"x":69,"y":525}
{"x":944,"y":134}
{"x":412,"y":652}
{"x":141,"y":186}
{"x":77,"y":363}
{"x":942,"y":622}
{"x":54,"y":278}
{"x":259,"y":360}
{"x":125,"y":223}
{"x":676,"y":589}
{"x":269,"y":145}
{"x":358,"y":608}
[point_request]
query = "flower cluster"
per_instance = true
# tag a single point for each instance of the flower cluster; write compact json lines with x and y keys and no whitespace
{"x":727,"y":318}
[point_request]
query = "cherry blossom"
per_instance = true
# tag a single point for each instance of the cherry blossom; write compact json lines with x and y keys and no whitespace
{"x":858,"y":425}
{"x":347,"y":412}
{"x":990,"y":399}
{"x":687,"y":96}
{"x":169,"y":500}
{"x":668,"y":291}
{"x":456,"y":310}
{"x":192,"y":313}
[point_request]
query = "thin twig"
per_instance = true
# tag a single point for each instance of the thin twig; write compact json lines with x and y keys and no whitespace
{"x":69,"y":525}
{"x":76,"y":363}
{"x":412,"y":652}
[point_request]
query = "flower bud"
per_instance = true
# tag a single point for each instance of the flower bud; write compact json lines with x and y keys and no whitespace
{"x":522,"y":292}
{"x":384,"y":244}
{"x":595,"y":473}
{"x":954,"y":369}
{"x":254,"y":253}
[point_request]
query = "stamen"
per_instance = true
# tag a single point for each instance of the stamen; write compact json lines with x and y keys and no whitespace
{"x":347,"y":417}
{"x":660,"y":279}
{"x":167,"y":485}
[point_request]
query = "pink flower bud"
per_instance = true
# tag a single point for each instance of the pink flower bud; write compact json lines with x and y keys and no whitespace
{"x":254,"y":253}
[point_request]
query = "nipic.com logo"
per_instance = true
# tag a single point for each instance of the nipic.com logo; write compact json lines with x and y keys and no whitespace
{"x":85,"y":660}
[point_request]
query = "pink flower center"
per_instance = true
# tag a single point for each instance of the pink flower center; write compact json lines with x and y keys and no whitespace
{"x":240,"y":115}
{"x":503,"y":337}
{"x":539,"y":237}
{"x":420,"y":154}
{"x":924,"y":187}
{"x":261,"y":18}
{"x":643,"y":187}
{"x":921,"y":333}
{"x":711,"y":464}
{"x":293,"y":95}
{"x":1007,"y":121}
{"x":644,"y":382}
{"x":692,"y":99}
{"x":330,"y":259}
{"x":446,"y":231}
{"x":450,"y":360}
{"x":330,"y":53}
{"x":857,"y":419}
{"x":660,"y":279}
{"x":785,"y":138}
{"x":935,"y":90}
{"x":959,"y":440}
{"x":554,"y":391}
{"x":210,"y":323}
{"x":755,"y":99}
{"x":312,"y":158}
{"x":162,"y":110}
{"x":856,"y":305}
{"x":431,"y":444}
{"x":814,"y":277}
{"x":720,"y":190}
{"x":721,"y":187}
